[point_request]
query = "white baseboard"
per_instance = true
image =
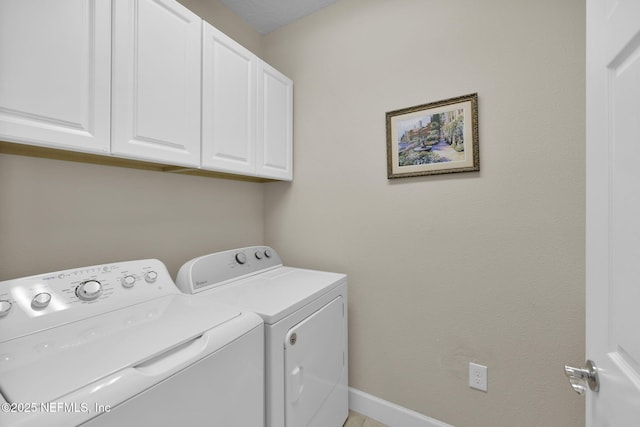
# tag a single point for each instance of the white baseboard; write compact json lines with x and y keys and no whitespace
{"x":389,"y":413}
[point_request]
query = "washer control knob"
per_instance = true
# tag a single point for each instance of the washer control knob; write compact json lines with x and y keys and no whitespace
{"x":89,"y":290}
{"x":128,"y":281}
{"x":151,"y":276}
{"x":5,"y":307}
{"x":41,"y":300}
{"x":241,"y":258}
{"x":258,"y":255}
{"x":267,"y":253}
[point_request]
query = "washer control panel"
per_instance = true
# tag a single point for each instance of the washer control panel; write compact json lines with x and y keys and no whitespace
{"x":219,"y":268}
{"x":43,"y":301}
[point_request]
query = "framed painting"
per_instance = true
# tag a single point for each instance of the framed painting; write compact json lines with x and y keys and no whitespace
{"x":435,"y":138}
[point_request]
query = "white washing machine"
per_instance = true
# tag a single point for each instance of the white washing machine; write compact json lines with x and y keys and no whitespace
{"x":119,"y":344}
{"x":305,"y":315}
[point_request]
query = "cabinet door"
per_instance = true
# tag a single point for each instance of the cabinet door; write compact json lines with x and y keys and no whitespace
{"x":228,"y":104}
{"x":55,"y":73}
{"x":156,"y":82}
{"x":274,"y":157}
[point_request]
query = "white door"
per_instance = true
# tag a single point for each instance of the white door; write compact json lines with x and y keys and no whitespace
{"x":228,"y":104}
{"x":55,"y":73}
{"x":613,"y":210}
{"x":156,"y":82}
{"x":274,"y":158}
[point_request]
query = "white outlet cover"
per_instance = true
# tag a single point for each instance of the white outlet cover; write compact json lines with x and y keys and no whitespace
{"x":478,"y":376}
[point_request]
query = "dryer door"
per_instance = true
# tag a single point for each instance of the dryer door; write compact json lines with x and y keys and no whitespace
{"x":314,"y":362}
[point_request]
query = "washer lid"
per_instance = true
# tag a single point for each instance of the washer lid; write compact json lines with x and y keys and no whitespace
{"x":45,"y":366}
{"x":276,"y":293}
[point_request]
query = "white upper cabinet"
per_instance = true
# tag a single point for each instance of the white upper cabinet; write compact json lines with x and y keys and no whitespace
{"x":247,"y":111}
{"x":141,"y":79}
{"x":55,"y":73}
{"x":228,"y":104}
{"x":156,"y":82}
{"x":274,"y":157}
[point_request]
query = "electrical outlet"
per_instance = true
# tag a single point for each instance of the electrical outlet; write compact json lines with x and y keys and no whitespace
{"x":478,"y":376}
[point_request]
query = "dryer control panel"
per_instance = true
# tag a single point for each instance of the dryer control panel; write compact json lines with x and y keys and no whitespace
{"x":45,"y":301}
{"x":220,"y":268}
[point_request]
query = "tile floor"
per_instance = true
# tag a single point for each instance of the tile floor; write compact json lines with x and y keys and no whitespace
{"x":357,"y":420}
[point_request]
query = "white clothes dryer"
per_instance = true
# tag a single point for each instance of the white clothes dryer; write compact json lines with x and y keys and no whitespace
{"x":118,"y":344}
{"x":305,"y":315}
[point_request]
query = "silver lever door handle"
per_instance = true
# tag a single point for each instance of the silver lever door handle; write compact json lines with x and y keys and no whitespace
{"x":581,"y":377}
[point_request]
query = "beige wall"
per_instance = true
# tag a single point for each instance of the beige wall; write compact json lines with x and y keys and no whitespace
{"x":445,"y":270}
{"x":57,"y":214}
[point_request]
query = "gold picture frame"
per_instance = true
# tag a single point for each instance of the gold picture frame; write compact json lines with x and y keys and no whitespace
{"x":435,"y":138}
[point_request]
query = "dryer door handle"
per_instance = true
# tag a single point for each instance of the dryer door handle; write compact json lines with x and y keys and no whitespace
{"x":296,"y":383}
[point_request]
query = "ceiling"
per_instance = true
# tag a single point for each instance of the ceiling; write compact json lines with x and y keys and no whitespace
{"x":267,"y":15}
